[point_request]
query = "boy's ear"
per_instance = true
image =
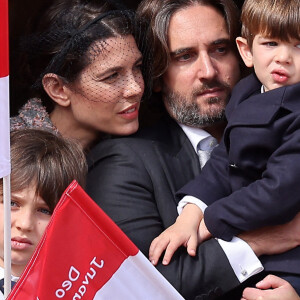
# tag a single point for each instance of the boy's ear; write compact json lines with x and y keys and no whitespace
{"x":245,"y":51}
{"x":56,"y":89}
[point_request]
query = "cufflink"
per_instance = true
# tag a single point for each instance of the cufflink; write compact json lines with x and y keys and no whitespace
{"x":233,"y":166}
{"x":243,"y":271}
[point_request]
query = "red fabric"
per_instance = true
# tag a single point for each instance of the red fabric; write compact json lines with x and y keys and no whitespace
{"x":62,"y":265}
{"x":4,"y":38}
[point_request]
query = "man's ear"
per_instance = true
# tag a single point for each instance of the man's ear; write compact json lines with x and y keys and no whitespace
{"x":56,"y":89}
{"x":245,"y":51}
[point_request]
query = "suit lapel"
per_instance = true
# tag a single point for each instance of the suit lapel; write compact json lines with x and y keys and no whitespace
{"x":178,"y":157}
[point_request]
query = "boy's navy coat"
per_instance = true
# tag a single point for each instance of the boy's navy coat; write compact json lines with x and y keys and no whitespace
{"x":255,"y":172}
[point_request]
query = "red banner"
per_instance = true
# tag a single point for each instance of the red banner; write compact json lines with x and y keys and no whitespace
{"x":4,"y":91}
{"x":84,"y":255}
{"x":4,"y":38}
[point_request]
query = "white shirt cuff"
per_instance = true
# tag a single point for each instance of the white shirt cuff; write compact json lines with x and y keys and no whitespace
{"x":190,"y":199}
{"x":241,"y":257}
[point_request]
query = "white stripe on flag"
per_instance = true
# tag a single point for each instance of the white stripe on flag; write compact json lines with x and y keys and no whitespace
{"x":4,"y":127}
{"x":137,"y":279}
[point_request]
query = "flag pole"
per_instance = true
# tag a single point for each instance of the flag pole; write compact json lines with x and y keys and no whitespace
{"x":5,"y":141}
{"x":7,"y":235}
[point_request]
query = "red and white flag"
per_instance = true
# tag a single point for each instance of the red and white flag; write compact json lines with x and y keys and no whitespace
{"x":4,"y":91}
{"x":84,"y":255}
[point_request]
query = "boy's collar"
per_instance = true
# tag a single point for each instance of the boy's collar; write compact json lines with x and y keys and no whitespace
{"x":13,"y":278}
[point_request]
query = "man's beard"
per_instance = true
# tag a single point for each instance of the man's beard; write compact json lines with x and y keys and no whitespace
{"x":186,"y":110}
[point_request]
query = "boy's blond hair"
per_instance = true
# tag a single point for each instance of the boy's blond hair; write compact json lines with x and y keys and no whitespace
{"x":279,"y":19}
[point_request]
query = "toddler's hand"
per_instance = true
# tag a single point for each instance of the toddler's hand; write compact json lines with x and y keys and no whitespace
{"x":203,"y":233}
{"x":184,"y":232}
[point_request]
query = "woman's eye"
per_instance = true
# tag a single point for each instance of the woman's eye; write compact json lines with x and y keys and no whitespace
{"x":111,"y":77}
{"x":137,"y":70}
{"x":138,"y":67}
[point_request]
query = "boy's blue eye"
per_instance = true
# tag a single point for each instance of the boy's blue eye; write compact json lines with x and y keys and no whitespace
{"x":13,"y":203}
{"x":222,"y":50}
{"x":45,"y":211}
{"x":271,"y":44}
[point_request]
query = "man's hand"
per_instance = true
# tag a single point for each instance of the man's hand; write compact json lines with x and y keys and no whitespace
{"x":274,"y":239}
{"x":184,"y":232}
{"x":271,"y":288}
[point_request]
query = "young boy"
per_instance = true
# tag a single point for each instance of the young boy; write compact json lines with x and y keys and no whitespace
{"x":252,"y":180}
{"x":43,"y":165}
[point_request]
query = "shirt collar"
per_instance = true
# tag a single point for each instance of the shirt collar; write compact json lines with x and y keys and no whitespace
{"x":195,"y":135}
{"x":13,"y":278}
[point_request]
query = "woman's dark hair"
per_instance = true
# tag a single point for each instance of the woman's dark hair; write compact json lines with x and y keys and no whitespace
{"x":49,"y":161}
{"x":64,"y":40}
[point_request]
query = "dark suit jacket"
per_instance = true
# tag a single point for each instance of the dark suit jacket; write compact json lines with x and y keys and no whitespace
{"x":252,"y":178}
{"x":134,"y":180}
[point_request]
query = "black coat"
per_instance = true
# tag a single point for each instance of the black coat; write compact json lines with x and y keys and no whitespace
{"x":134,"y":180}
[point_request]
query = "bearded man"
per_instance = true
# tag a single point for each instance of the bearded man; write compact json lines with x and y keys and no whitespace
{"x":134,"y":179}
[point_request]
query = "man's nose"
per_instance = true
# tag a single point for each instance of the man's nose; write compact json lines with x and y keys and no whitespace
{"x":205,"y":67}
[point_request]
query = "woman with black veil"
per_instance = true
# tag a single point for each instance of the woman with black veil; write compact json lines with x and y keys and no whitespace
{"x":85,"y":71}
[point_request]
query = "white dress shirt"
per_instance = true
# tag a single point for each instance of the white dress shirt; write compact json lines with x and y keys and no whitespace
{"x":241,"y":257}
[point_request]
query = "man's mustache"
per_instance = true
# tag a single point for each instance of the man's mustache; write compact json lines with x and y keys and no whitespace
{"x":208,"y":86}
